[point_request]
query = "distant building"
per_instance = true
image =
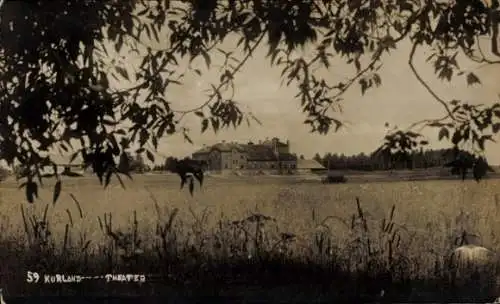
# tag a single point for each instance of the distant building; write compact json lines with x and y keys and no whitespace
{"x":268,"y":155}
{"x":309,"y":166}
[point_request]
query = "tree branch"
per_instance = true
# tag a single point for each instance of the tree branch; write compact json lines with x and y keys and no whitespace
{"x":227,"y":79}
{"x":426,"y":122}
{"x":423,"y":83}
{"x":351,"y":81}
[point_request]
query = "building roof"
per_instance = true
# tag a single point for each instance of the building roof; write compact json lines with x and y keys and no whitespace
{"x":223,"y":147}
{"x":203,"y":150}
{"x":287,"y":157}
{"x":278,"y":142}
{"x":228,"y":147}
{"x":260,"y":153}
{"x":309,"y":164}
{"x":255,"y":152}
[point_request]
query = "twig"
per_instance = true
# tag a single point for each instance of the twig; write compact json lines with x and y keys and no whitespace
{"x":426,"y":122}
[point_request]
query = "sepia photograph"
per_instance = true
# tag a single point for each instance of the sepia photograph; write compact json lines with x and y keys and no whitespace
{"x":249,"y":151}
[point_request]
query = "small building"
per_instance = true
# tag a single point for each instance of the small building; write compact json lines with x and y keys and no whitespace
{"x":306,"y":166}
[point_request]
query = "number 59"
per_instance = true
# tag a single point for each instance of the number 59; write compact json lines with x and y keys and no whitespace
{"x":32,"y":277}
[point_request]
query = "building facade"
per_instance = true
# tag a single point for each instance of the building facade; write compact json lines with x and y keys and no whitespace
{"x":267,"y":155}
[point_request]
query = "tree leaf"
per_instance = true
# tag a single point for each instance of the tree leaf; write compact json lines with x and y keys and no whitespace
{"x":364,"y":85}
{"x":357,"y":64}
{"x":204,"y":125}
{"x":206,"y":57}
{"x":122,"y":72}
{"x":191,"y":186}
{"x":150,"y":156}
{"x":377,"y":79}
{"x":31,"y":191}
{"x":124,"y":163}
{"x":108,"y":178}
{"x":456,"y":138}
{"x":480,"y":143}
{"x":161,"y":129}
{"x":154,"y":140}
{"x":57,"y":192}
{"x":443,"y":132}
{"x":472,"y":79}
{"x":495,"y":127}
{"x":120,"y":180}
{"x":75,"y":155}
{"x":187,"y":138}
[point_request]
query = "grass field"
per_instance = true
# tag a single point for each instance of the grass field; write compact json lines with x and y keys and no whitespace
{"x":312,"y":223}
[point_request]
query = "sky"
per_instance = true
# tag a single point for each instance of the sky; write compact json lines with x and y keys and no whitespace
{"x":401,"y":100}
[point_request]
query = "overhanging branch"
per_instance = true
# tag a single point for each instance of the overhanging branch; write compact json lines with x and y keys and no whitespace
{"x":424,"y":84}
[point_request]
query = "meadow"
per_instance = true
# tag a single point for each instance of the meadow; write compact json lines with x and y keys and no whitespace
{"x":343,"y":240}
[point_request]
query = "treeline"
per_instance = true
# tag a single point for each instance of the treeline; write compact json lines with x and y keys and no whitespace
{"x":382,"y":161}
{"x":166,"y":164}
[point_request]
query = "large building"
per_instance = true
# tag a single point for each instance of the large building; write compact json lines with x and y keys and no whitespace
{"x":267,"y":155}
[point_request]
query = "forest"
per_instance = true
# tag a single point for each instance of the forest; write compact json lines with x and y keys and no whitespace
{"x":421,"y":159}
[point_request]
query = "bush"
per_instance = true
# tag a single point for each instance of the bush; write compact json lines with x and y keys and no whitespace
{"x":4,"y":174}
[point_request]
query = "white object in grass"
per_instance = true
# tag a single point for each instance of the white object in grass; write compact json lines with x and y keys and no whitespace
{"x":1,"y":297}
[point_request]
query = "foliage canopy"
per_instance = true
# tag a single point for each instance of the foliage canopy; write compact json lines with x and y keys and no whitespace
{"x":55,"y":67}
